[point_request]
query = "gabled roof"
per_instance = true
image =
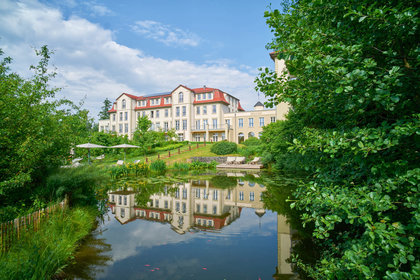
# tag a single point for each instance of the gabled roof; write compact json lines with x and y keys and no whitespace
{"x":258,"y":104}
{"x":218,"y":96}
{"x":240,"y":107}
{"x":113,"y":110}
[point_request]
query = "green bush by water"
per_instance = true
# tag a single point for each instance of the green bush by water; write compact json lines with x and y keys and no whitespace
{"x":40,"y":255}
{"x":158,"y":166}
{"x":223,"y":148}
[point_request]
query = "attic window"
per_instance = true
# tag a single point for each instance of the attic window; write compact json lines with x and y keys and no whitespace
{"x":123,"y":104}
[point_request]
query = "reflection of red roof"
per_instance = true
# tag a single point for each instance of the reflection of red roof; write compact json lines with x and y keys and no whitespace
{"x":217,"y":221}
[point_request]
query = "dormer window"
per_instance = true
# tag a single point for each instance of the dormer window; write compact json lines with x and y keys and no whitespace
{"x":198,"y":96}
{"x":181,"y":97}
{"x":209,"y":96}
{"x":123,"y":104}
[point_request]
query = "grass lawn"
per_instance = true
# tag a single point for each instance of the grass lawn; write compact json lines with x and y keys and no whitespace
{"x":175,"y":157}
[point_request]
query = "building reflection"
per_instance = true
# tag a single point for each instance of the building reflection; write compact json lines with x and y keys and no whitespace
{"x":191,"y":206}
{"x":198,"y":205}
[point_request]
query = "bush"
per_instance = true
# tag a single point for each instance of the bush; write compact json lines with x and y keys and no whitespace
{"x":253,"y":141}
{"x":158,"y":166}
{"x":224,"y":148}
{"x":181,"y":166}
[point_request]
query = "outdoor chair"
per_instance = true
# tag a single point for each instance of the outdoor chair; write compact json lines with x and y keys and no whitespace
{"x":100,"y":157}
{"x":240,"y":160}
{"x":256,"y":160}
{"x":136,"y":161}
{"x":230,"y":160}
{"x":76,"y":160}
{"x":120,"y":162}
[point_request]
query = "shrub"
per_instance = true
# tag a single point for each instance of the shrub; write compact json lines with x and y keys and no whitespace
{"x":158,"y":166}
{"x":182,"y":166}
{"x":223,"y":148}
{"x":253,"y":141}
{"x":223,"y":181}
{"x":198,"y":165}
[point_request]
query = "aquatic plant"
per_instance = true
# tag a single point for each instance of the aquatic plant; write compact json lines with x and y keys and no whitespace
{"x":158,"y":166}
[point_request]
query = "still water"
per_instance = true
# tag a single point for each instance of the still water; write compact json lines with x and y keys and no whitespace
{"x":201,"y":228}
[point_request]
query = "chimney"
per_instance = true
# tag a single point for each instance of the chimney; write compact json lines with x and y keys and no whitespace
{"x":204,"y":86}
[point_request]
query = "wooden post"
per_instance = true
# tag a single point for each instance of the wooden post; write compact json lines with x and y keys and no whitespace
{"x":189,"y":147}
{"x":179,"y":151}
{"x":197,"y":145}
{"x":169,"y":153}
{"x":146,"y":159}
{"x":158,"y":156}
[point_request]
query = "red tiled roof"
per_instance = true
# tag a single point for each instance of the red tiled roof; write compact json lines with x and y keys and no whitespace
{"x":240,"y":107}
{"x":217,"y":97}
{"x":148,"y":106}
{"x":113,"y":110}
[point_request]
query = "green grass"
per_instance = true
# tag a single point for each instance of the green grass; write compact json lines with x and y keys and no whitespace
{"x":41,"y":254}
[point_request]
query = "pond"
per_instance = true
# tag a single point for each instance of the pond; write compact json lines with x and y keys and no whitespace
{"x":200,"y":227}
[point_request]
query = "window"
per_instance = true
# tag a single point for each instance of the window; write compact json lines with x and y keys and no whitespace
{"x":241,"y":122}
{"x":215,"y":137}
{"x":205,"y":123}
{"x":198,"y":110}
{"x":251,"y":122}
{"x":157,"y":113}
{"x":184,"y":124}
{"x":121,"y":115}
{"x":184,"y":207}
{"x":143,"y":114}
{"x":177,"y":111}
{"x":113,"y":117}
{"x":157,"y":203}
{"x":273,"y":119}
{"x":215,"y":194}
{"x":177,"y":193}
{"x":205,"y":194}
{"x":122,"y":213}
{"x":112,"y":198}
{"x":229,"y":194}
{"x":177,"y":125}
{"x":197,"y":124}
{"x":184,"y":111}
{"x":181,"y":97}
{"x":177,"y":206}
{"x":184,"y":193}
{"x":214,"y":109}
{"x":241,"y":195}
{"x":198,"y":96}
{"x":166,"y":113}
{"x":113,"y":128}
{"x":123,"y":104}
{"x":251,"y":134}
{"x":197,"y":193}
{"x":166,"y":126}
{"x":205,"y":208}
{"x":204,"y":110}
{"x":251,"y":196}
{"x":166,"y":204}
{"x":125,"y":116}
{"x":241,"y":138}
{"x":262,"y":121}
{"x":214,"y":123}
{"x":120,"y":128}
{"x":126,"y":128}
{"x":209,"y":96}
{"x":157,"y":125}
{"x":223,"y":136}
{"x":138,"y":114}
{"x":228,"y":123}
{"x":214,"y":210}
{"x":198,"y":207}
{"x":120,"y":199}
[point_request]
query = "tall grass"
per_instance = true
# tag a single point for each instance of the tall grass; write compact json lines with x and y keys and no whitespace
{"x":158,"y":166}
{"x":41,"y":254}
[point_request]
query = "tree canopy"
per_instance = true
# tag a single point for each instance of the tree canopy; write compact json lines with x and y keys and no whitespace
{"x":103,"y":114}
{"x":355,"y":111}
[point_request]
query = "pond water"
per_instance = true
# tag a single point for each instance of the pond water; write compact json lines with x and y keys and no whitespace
{"x":205,"y":227}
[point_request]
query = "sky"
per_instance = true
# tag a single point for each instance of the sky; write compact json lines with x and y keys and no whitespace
{"x":103,"y":48}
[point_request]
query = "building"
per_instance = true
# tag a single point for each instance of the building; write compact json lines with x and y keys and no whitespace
{"x":199,"y":114}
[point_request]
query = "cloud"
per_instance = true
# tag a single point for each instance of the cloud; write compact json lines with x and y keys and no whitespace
{"x":165,"y":33}
{"x":91,"y":63}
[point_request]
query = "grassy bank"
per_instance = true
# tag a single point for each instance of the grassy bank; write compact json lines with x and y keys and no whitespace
{"x":41,"y":254}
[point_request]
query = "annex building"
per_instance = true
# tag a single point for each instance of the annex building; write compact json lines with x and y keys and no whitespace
{"x":198,"y":114}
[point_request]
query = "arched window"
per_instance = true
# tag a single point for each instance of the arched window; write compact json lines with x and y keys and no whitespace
{"x":241,"y":138}
{"x":123,"y":104}
{"x":251,"y":134}
{"x":181,"y":97}
{"x":259,"y":134}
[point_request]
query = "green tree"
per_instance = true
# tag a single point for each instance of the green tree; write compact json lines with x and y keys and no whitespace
{"x":36,"y":133}
{"x":103,"y":114}
{"x":355,"y":108}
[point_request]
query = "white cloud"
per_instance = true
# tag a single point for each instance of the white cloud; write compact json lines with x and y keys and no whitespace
{"x":91,"y":63}
{"x":166,"y":34}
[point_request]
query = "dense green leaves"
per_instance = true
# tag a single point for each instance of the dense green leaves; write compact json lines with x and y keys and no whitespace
{"x":354,"y":124}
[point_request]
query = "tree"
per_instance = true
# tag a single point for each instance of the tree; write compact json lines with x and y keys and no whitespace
{"x":36,"y":133}
{"x":103,"y":114}
{"x":355,"y":105}
{"x":143,"y":136}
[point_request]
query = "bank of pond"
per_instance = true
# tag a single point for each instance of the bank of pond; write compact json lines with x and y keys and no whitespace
{"x":183,"y":224}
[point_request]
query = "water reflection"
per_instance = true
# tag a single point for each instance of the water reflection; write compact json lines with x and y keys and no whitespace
{"x":212,"y":228}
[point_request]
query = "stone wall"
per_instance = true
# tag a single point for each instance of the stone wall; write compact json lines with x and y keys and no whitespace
{"x":208,"y":159}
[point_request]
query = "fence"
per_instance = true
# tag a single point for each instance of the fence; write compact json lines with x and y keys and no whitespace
{"x":178,"y":151}
{"x":11,"y":231}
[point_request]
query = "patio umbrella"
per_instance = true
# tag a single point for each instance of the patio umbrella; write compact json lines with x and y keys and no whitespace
{"x":124,"y":146}
{"x":90,"y":146}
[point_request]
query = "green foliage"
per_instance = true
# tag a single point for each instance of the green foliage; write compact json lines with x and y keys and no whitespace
{"x":36,"y":131}
{"x":145,"y":138}
{"x":103,"y":114}
{"x":252,"y":141}
{"x":181,"y":166}
{"x":199,"y":165}
{"x":158,"y":166}
{"x":79,"y":184}
{"x":354,"y":124}
{"x":223,"y":148}
{"x":39,"y":255}
{"x":223,"y":181}
{"x":169,"y":147}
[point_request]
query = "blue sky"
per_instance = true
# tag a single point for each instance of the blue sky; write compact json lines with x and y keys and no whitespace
{"x":106,"y":47}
